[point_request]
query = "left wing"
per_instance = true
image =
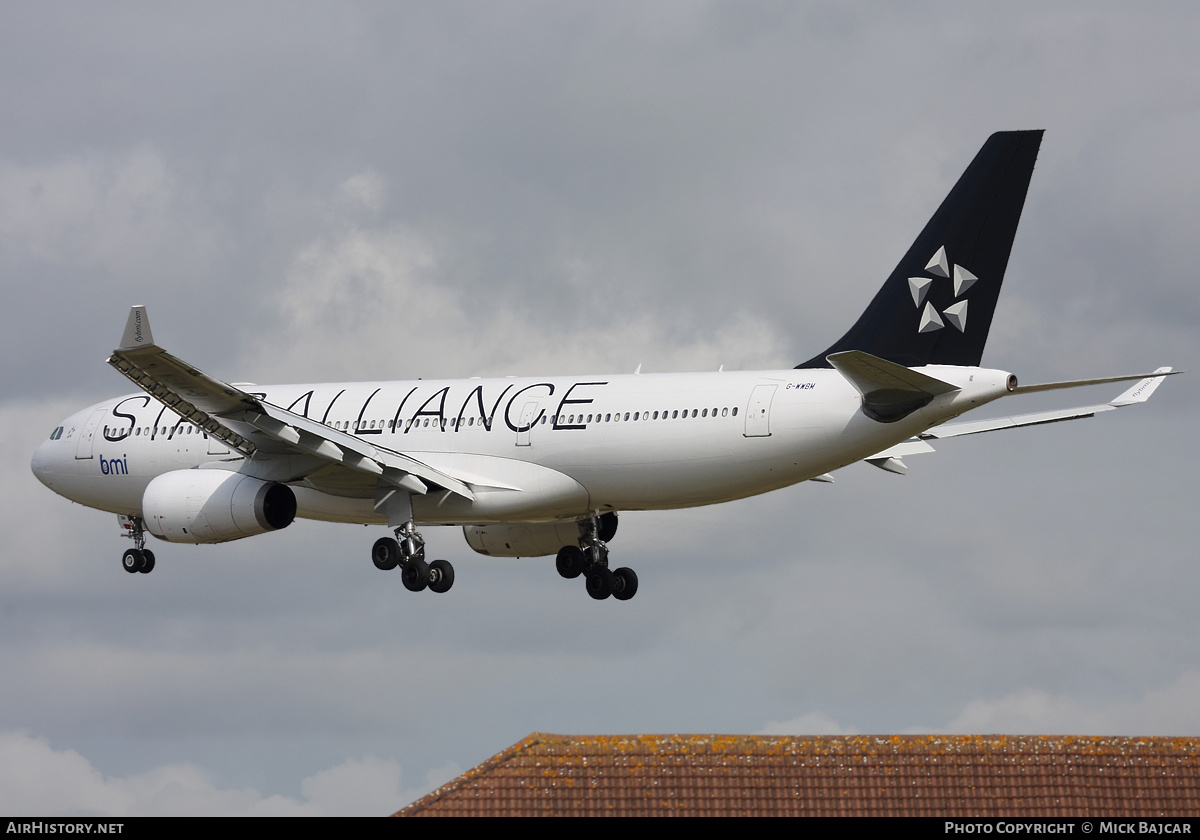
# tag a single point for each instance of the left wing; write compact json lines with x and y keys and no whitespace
{"x":257,"y":428}
{"x":889,"y":459}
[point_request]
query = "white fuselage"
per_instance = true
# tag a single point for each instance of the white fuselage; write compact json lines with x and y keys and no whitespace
{"x":532,"y":449}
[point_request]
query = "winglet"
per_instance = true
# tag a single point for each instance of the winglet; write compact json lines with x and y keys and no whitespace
{"x":1142,"y":391}
{"x":137,"y":330}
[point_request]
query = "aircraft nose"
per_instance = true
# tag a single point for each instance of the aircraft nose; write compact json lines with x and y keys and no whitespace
{"x":41,"y":464}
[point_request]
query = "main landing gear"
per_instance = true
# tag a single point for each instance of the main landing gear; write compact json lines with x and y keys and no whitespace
{"x":407,"y":550}
{"x":139,"y":558}
{"x":590,"y":559}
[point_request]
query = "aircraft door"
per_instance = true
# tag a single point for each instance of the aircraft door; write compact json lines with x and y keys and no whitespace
{"x":758,"y":412}
{"x":528,"y":414}
{"x":87,"y":435}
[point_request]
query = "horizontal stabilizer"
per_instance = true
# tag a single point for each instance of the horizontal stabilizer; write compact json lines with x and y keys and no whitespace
{"x":869,"y":373}
{"x":890,"y":391}
{"x":1139,"y":393}
{"x":1149,"y":382}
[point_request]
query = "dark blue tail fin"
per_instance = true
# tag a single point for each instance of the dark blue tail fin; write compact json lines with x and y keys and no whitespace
{"x":936,"y":307}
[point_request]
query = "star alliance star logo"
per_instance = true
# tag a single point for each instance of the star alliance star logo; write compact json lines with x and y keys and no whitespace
{"x":955,"y":313}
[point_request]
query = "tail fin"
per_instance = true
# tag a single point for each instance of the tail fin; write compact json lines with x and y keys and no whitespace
{"x":936,"y":307}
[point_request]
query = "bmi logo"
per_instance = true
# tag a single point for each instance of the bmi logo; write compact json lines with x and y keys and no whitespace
{"x":955,"y":313}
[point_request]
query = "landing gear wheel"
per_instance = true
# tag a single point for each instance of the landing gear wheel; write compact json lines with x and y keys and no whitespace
{"x":600,"y":583}
{"x":625,"y":583}
{"x":415,"y":574}
{"x":385,"y":554}
{"x":569,"y":561}
{"x":147,"y":561}
{"x":441,"y":576}
{"x":131,"y":560}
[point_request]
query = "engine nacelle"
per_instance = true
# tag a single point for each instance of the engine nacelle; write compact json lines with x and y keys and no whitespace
{"x":212,"y":506}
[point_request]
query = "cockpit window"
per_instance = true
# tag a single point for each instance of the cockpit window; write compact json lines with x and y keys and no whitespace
{"x":57,"y":433}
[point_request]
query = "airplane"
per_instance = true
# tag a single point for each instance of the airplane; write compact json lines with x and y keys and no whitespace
{"x":542,"y":466}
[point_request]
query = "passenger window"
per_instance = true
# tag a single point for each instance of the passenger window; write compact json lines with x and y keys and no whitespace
{"x":735,"y":411}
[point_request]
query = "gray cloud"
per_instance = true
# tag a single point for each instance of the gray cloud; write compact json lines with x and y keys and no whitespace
{"x":304,"y":192}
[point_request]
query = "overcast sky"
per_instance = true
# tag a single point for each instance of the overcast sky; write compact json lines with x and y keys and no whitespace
{"x":305,"y":192}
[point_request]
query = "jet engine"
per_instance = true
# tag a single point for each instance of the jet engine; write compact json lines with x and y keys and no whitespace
{"x":212,"y":506}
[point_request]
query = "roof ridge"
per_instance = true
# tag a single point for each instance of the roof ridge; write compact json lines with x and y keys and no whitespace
{"x":475,"y":772}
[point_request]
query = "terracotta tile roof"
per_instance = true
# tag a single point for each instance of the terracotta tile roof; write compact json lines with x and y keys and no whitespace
{"x":858,"y":775}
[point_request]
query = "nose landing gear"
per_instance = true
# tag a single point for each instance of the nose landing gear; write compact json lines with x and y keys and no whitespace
{"x":139,"y":558}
